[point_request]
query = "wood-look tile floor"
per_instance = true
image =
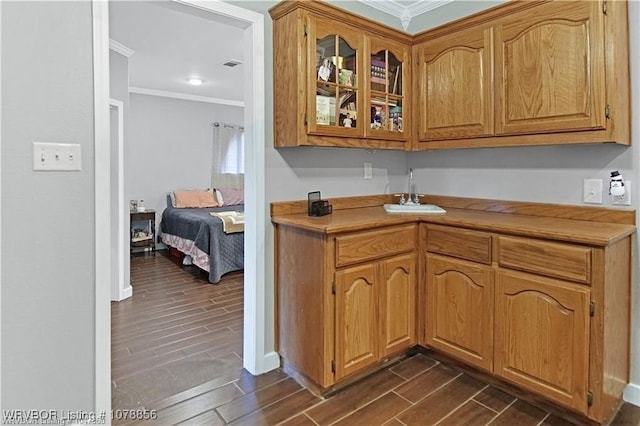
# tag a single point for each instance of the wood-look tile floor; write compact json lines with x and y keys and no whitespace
{"x":177,"y":348}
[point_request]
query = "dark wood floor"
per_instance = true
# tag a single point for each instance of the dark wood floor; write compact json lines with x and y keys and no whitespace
{"x":177,"y":349}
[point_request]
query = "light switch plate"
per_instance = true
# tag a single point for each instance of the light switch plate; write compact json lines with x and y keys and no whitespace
{"x":592,"y":191}
{"x":57,"y":156}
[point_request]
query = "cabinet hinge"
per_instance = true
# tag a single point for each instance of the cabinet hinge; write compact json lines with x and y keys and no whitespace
{"x":607,"y":111}
{"x":333,"y":288}
{"x":305,"y":30}
{"x":305,"y":119}
{"x":333,"y":366}
{"x":592,"y":308}
{"x":604,"y":7}
{"x":589,"y":398}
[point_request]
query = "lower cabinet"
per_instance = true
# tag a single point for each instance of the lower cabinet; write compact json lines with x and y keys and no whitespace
{"x":345,"y":301}
{"x":542,"y":336}
{"x":460,"y":309}
{"x":549,"y":317}
{"x":375,"y":312}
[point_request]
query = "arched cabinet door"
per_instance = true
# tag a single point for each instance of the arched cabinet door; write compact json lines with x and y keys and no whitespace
{"x":397,"y":304}
{"x":388,"y":111}
{"x":460,"y":309}
{"x":334,"y":79}
{"x":542,"y":336}
{"x":455,"y":86}
{"x":356,"y":319}
{"x":550,"y":69}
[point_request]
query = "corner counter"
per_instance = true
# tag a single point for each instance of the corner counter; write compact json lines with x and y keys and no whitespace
{"x":359,"y":287}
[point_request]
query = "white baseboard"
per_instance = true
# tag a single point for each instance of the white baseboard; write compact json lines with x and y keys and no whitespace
{"x":632,"y":394}
{"x":125,"y":293}
{"x":271,"y":361}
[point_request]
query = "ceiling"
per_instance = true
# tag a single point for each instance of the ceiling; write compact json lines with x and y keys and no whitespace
{"x":170,"y":42}
{"x":405,"y":9}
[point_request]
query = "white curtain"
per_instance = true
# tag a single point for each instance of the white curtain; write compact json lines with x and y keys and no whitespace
{"x":228,"y":156}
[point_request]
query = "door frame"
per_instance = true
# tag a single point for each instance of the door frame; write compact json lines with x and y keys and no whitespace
{"x":257,"y":358}
{"x":120,"y":284}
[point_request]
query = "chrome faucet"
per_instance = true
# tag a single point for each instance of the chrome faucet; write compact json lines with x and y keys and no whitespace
{"x":410,"y":195}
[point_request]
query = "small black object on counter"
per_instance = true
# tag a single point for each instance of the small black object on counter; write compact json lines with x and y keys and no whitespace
{"x":317,"y":206}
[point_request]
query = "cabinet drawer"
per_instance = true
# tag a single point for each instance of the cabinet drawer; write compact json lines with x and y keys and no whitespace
{"x":462,"y":243}
{"x":552,"y":259}
{"x":370,"y":245}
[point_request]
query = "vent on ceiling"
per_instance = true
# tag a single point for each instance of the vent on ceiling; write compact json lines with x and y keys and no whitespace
{"x":232,"y":63}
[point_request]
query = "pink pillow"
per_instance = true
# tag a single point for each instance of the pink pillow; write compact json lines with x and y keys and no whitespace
{"x":231,"y":197}
{"x":195,"y":198}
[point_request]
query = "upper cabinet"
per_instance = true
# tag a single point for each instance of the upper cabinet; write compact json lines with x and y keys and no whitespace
{"x":336,"y":106}
{"x":456,"y":94}
{"x":535,"y":72}
{"x":527,"y":73}
{"x":550,"y":69}
{"x":339,"y":80}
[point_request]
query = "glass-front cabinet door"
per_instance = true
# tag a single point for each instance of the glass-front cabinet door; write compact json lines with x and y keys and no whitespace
{"x":387,"y":68}
{"x":335,"y":104}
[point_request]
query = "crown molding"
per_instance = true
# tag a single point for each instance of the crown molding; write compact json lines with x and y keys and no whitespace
{"x":120,"y":48}
{"x":185,"y":96}
{"x":405,"y":13}
{"x":424,"y":6}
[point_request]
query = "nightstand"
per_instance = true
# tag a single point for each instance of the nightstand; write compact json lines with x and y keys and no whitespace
{"x":143,"y":229}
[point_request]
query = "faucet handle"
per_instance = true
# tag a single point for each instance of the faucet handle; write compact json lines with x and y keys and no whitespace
{"x":402,"y":200}
{"x":416,"y":198}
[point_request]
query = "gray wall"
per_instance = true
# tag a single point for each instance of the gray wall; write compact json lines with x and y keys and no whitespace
{"x":169,"y":146}
{"x":48,"y":242}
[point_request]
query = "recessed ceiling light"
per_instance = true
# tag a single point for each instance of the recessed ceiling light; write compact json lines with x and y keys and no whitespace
{"x":195,"y":81}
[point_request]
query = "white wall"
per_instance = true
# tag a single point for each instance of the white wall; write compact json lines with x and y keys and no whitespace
{"x":48,"y":268}
{"x":169,"y":146}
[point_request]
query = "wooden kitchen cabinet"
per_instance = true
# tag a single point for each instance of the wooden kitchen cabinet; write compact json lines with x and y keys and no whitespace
{"x":339,"y":80}
{"x":542,"y":336}
{"x":375,"y":312}
{"x":459,"y":307}
{"x":525,"y":73}
{"x":530,"y":311}
{"x":536,"y":295}
{"x":398,"y":304}
{"x":456,"y":85}
{"x":356,"y":325}
{"x":346,"y":301}
{"x":550,"y":69}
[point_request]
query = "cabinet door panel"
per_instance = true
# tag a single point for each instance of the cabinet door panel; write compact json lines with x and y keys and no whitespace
{"x":335,"y":53}
{"x":542,"y":336}
{"x":356,"y":320}
{"x":457,"y":94}
{"x":398,"y":304}
{"x":388,"y":68}
{"x":550,"y":69}
{"x":460,"y":309}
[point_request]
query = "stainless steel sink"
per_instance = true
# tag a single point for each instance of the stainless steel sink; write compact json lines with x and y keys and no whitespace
{"x":414,"y":208}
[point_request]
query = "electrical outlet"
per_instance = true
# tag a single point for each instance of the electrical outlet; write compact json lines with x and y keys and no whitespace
{"x":592,"y":191}
{"x":623,"y":200}
{"x":368,"y":170}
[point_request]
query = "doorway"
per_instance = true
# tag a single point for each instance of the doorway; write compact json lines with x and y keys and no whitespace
{"x":257,"y":358}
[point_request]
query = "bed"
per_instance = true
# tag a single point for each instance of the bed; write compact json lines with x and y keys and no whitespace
{"x":196,"y":233}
